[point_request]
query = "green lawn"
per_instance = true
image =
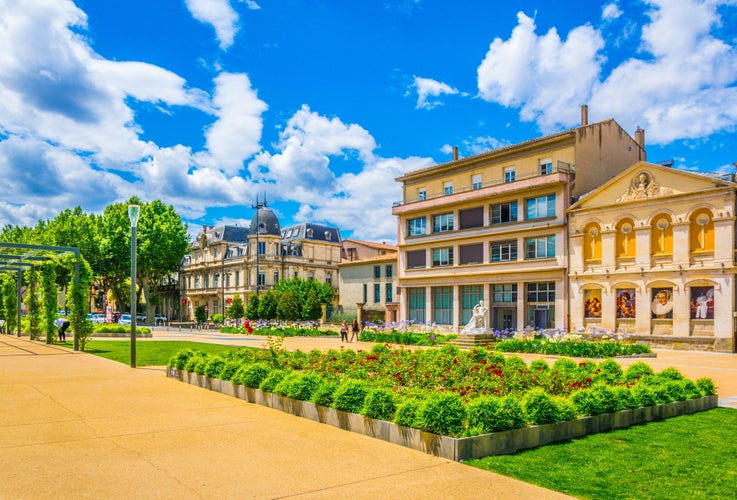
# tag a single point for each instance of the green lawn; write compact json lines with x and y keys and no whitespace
{"x":147,"y":353}
{"x":692,"y":456}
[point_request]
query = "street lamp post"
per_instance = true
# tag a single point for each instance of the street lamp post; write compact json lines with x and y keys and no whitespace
{"x":134,"y":211}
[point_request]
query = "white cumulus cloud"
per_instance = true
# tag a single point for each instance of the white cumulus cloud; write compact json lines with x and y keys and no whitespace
{"x":428,"y":90}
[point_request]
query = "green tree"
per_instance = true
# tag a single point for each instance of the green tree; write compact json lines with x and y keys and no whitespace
{"x":161,"y":244}
{"x":311,"y":308}
{"x":267,"y":306}
{"x":200,"y":314}
{"x":252,"y":308}
{"x":48,"y":291}
{"x":10,"y":297}
{"x":33,"y":305}
{"x":235,"y":310}
{"x":288,"y":308}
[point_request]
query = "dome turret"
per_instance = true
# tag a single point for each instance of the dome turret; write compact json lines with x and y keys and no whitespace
{"x":265,"y":222}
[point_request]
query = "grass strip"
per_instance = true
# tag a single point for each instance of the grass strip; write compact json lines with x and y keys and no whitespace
{"x":692,"y":456}
{"x":148,"y":353}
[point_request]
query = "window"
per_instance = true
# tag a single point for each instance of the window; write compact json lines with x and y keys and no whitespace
{"x":389,"y":297}
{"x":237,"y":278}
{"x":276,"y":277}
{"x":216,"y":280}
{"x":422,"y":194}
{"x":309,"y":232}
{"x":542,"y":247}
{"x":592,"y":242}
{"x":442,"y":257}
{"x":377,"y":293}
{"x":207,"y":281}
{"x":447,"y":188}
{"x":261,"y":248}
{"x":471,"y":217}
{"x":546,"y":166}
{"x":417,"y":227}
{"x":661,"y":236}
{"x":416,"y":259}
{"x":471,"y":254}
{"x":197,"y":281}
{"x":543,"y":206}
{"x":443,"y":305}
{"x":509,"y":174}
{"x":541,"y":292}
{"x":365,"y":293}
{"x":388,"y":271}
{"x":625,"y":239}
{"x":276,"y":248}
{"x":470,"y":297}
{"x":504,"y":251}
{"x":442,"y":223}
{"x":328,"y":236}
{"x":476,"y":182}
{"x":416,"y":301}
{"x":702,"y":231}
{"x":329,"y":279}
{"x":504,"y":293}
{"x":261,"y":278}
{"x":377,"y":271}
{"x":502,"y":213}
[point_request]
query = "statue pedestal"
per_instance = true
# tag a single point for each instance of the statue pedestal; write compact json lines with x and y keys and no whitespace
{"x":468,"y":341}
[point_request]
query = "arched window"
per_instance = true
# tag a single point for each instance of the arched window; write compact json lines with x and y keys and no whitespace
{"x":661,"y":236}
{"x":592,"y":242}
{"x":702,"y":231}
{"x":626,"y":243}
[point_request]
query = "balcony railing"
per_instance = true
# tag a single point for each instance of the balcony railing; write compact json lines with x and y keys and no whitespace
{"x":561,"y":167}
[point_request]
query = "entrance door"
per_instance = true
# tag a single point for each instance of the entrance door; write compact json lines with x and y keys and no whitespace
{"x":541,"y":319}
{"x":505,"y":318}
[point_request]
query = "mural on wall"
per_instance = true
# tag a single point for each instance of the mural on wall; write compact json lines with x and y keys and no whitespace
{"x":592,"y":303}
{"x":626,"y":303}
{"x":662,"y":304}
{"x":702,"y":302}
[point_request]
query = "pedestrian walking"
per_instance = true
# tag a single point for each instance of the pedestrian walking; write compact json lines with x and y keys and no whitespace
{"x":344,"y":331}
{"x":355,"y":330}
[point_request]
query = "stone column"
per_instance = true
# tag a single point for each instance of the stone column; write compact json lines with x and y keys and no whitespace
{"x":359,"y":312}
{"x":324,"y":315}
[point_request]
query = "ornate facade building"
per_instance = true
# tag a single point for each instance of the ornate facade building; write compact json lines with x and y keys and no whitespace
{"x":493,"y":227}
{"x":652,"y":254}
{"x":368,"y":280}
{"x":229,"y":260}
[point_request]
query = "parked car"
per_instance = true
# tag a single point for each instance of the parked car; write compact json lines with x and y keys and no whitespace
{"x":161,"y":320}
{"x":140,"y":317}
{"x":96,"y":317}
{"x":125,"y":319}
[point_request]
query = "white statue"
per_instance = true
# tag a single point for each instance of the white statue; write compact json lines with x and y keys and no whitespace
{"x":477,"y":323}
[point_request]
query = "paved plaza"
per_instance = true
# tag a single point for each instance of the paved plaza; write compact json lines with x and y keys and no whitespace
{"x":74,"y":425}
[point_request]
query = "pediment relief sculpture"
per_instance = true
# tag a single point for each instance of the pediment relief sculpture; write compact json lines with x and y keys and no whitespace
{"x":643,"y":187}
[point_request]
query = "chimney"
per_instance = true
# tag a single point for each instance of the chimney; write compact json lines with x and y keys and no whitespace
{"x":584,"y":115}
{"x":455,"y":153}
{"x":640,"y":137}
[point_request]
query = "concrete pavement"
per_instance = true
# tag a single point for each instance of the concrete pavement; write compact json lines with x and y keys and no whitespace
{"x":74,"y":425}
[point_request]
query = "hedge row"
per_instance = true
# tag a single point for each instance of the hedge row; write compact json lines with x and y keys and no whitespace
{"x":380,"y":384}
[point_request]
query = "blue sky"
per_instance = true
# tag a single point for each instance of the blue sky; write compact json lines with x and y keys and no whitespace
{"x":320,"y":105}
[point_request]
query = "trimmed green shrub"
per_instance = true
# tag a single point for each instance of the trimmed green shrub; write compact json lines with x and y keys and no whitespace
{"x":272,"y":379}
{"x":442,"y":414}
{"x":406,"y":413}
{"x":298,"y":385}
{"x":379,"y":403}
{"x":482,"y":414}
{"x":690,"y":389}
{"x":637,"y":371}
{"x":194,"y":360}
{"x":607,"y":399}
{"x":587,"y":402}
{"x":669,"y":373}
{"x":179,"y":360}
{"x":214,"y":366}
{"x":625,"y":399}
{"x":540,"y":407}
{"x":282,"y":388}
{"x":644,"y":395}
{"x":706,"y":386}
{"x":609,"y":371}
{"x":516,"y":374}
{"x":251,"y":375}
{"x":566,"y":408}
{"x":324,"y":393}
{"x":510,"y":414}
{"x":231,"y":366}
{"x":350,"y":395}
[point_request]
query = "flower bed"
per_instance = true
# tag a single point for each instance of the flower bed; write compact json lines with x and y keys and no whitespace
{"x":573,"y":348}
{"x":447,"y":391}
{"x":282,"y":329}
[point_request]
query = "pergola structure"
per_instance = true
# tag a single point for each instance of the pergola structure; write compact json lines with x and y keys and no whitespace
{"x":18,"y":257}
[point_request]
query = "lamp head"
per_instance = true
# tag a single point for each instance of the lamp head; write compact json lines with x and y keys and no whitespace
{"x":134,"y":211}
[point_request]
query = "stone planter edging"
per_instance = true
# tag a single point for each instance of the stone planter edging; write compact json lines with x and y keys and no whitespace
{"x":457,"y":449}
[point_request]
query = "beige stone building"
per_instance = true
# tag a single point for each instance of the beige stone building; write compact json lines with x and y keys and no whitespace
{"x":492,"y":227}
{"x":652,"y":254}
{"x":368,"y":280}
{"x":229,"y":260}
